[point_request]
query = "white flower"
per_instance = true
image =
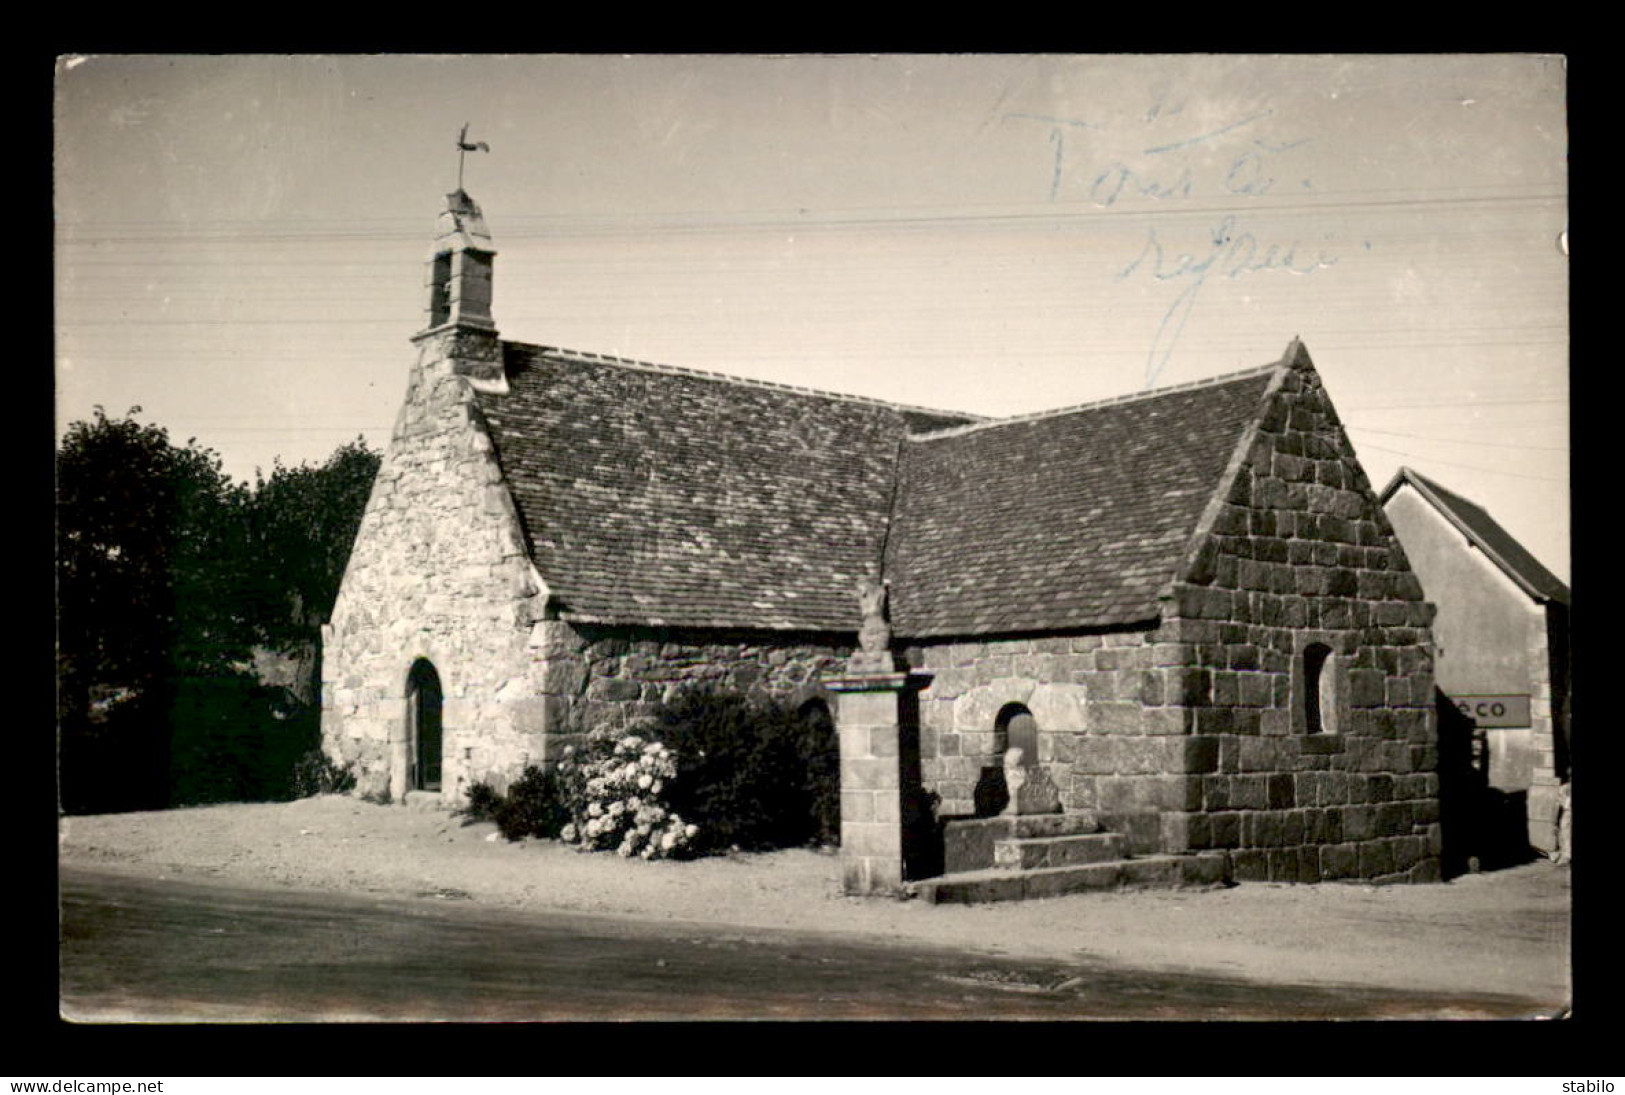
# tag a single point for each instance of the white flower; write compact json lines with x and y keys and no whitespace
{"x":594,"y":809}
{"x":655,"y":786}
{"x":616,"y":808}
{"x":690,"y":830}
{"x":669,"y":841}
{"x":568,"y":834}
{"x":646,"y":781}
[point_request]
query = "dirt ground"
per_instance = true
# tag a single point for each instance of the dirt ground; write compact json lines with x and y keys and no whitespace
{"x":1500,"y":932}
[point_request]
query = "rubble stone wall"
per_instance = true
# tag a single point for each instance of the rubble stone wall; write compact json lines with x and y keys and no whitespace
{"x":598,"y":674}
{"x":439,"y":571}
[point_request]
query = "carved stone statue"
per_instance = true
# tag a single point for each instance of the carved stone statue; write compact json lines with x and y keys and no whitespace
{"x":874,"y":636}
{"x":876,"y":633}
{"x":1015,"y":777}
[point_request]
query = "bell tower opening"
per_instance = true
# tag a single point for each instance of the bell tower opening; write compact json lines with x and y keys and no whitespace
{"x":440,"y":290}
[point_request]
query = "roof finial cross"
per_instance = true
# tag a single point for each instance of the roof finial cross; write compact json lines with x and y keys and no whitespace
{"x":464,"y":147}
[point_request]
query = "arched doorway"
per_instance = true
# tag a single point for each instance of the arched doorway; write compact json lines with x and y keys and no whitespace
{"x":423,"y":704}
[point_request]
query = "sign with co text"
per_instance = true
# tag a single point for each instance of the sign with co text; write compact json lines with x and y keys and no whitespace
{"x":1491,"y":712}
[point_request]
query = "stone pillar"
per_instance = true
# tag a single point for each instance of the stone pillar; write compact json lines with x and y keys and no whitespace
{"x":868,"y":720}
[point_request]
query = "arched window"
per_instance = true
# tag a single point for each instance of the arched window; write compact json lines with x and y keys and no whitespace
{"x":1319,"y":690}
{"x":423,"y":703}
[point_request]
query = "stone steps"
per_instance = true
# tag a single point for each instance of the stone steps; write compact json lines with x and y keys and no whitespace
{"x":1038,"y":853}
{"x":1027,"y":856}
{"x":974,"y":843}
{"x":1203,"y":870}
{"x":1053,"y":825}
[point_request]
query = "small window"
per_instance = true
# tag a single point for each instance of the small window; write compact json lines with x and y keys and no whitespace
{"x":1319,"y":690}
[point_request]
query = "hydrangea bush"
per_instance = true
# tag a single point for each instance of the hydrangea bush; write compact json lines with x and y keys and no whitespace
{"x":616,"y":785}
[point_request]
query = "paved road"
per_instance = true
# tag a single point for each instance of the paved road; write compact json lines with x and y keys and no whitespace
{"x":164,"y":951}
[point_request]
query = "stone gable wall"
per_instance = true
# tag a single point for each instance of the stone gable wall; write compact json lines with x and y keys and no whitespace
{"x":1300,"y":552}
{"x":439,"y":571}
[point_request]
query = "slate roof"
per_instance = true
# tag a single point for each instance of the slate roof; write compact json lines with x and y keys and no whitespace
{"x":1064,"y":520}
{"x":663,"y":496}
{"x":1485,"y":533}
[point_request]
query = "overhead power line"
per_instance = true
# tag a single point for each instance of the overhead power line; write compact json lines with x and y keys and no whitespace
{"x":1458,"y":440}
{"x":542,"y":226}
{"x":1470,"y":467}
{"x":1449,"y":402}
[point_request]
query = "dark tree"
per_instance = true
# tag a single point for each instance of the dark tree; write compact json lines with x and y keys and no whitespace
{"x":169,"y":578}
{"x":151,"y":551}
{"x":304,"y":523}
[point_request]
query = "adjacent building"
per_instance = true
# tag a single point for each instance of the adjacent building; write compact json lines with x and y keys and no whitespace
{"x":1501,"y":640}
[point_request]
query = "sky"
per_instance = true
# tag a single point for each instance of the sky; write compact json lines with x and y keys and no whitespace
{"x":240,"y":240}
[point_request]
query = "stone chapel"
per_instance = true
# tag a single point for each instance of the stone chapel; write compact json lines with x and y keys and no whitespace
{"x":1163,"y":639}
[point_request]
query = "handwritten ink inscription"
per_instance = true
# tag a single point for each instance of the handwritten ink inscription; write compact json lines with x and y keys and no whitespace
{"x":1173,"y":161}
{"x":1231,"y":252}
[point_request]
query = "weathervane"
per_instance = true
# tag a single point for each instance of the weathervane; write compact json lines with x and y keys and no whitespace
{"x":464,"y":147}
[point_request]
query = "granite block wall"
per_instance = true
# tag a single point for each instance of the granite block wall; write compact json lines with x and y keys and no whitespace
{"x":1280,"y":709}
{"x":1307,"y":773}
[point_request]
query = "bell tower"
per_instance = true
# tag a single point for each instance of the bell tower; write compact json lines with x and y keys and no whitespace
{"x":460,"y":336}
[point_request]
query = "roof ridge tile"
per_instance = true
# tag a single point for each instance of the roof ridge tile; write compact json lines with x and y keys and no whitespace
{"x":1109,"y":401}
{"x":587,"y":356}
